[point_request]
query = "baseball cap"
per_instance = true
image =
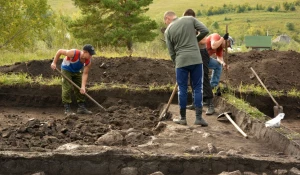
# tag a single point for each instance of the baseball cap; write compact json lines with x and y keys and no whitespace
{"x":90,"y":49}
{"x":230,"y":39}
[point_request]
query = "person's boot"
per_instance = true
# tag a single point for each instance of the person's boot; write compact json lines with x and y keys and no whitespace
{"x":190,"y":107}
{"x":218,"y":92}
{"x":182,"y":120}
{"x":82,"y":109}
{"x":205,"y":102}
{"x":199,"y":120}
{"x":211,"y":107}
{"x":68,"y":110}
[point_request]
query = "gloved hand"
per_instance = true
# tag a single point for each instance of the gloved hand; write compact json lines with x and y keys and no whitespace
{"x":226,"y":36}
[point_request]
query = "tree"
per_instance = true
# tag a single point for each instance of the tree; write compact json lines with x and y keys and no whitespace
{"x":116,"y":23}
{"x":290,"y":26}
{"x":198,"y":13}
{"x":215,"y":25}
{"x":22,"y":22}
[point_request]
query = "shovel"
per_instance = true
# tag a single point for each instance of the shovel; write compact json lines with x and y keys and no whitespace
{"x":277,"y":109}
{"x":79,"y":89}
{"x":164,"y":112}
{"x":227,"y":115}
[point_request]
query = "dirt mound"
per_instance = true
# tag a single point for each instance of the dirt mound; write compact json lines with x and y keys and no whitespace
{"x":124,"y":70}
{"x":277,"y":69}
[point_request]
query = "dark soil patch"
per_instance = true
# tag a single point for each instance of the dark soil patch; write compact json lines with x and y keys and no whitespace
{"x":125,"y":70}
{"x":45,"y":129}
{"x":277,"y":69}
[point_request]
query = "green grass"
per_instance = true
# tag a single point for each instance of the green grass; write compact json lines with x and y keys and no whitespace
{"x":259,"y":90}
{"x":63,"y":6}
{"x":158,"y":7}
{"x":24,"y":78}
{"x":239,"y":24}
{"x":9,"y":58}
{"x":274,"y":22}
{"x":13,"y":79}
{"x":244,"y":106}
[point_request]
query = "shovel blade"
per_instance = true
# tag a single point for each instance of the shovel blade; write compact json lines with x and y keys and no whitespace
{"x":162,"y":115}
{"x":277,"y":110}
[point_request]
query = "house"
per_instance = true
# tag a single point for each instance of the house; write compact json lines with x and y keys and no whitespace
{"x":258,"y":42}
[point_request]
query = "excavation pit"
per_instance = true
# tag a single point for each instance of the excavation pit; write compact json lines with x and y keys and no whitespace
{"x":129,"y":138}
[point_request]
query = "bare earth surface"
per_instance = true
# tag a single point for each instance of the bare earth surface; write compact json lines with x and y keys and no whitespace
{"x":277,"y":69}
{"x":124,"y":125}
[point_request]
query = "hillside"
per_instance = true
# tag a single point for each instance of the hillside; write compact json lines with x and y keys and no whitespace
{"x":239,"y":23}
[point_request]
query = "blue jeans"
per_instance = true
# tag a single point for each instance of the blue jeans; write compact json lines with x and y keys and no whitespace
{"x":216,"y":73}
{"x":182,"y":77}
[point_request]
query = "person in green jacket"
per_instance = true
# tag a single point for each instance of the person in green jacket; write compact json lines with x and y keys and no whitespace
{"x":184,"y":51}
{"x":207,"y":90}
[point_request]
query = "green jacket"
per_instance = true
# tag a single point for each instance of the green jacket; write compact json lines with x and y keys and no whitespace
{"x":181,"y":40}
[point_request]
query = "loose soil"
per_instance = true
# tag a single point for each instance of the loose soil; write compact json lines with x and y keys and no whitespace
{"x":277,"y":69}
{"x":34,"y":120}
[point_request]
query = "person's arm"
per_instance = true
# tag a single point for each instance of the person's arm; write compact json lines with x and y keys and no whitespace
{"x":216,"y":44}
{"x":68,"y":53}
{"x":220,"y":59}
{"x":170,"y":47}
{"x":203,"y":41}
{"x":85,"y":75}
{"x":200,"y":27}
{"x":217,"y":40}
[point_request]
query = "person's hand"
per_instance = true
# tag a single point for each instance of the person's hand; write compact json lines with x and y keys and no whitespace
{"x":53,"y":66}
{"x":223,"y":64}
{"x":226,"y":67}
{"x":82,"y":90}
{"x":226,"y":36}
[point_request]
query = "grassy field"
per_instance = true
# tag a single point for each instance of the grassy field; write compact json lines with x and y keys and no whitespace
{"x":273,"y":22}
{"x":239,"y":25}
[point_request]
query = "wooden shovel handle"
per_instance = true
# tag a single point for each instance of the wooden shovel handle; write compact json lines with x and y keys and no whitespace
{"x":162,"y":115}
{"x":79,"y":89}
{"x":172,"y":96}
{"x":264,"y":86}
{"x":236,"y":126}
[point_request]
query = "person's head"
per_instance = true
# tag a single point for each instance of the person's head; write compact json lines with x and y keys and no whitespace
{"x":88,"y":51}
{"x":189,"y":12}
{"x":169,"y":16}
{"x":230,"y":42}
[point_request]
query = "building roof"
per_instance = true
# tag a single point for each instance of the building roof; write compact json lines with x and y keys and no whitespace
{"x":258,"y":41}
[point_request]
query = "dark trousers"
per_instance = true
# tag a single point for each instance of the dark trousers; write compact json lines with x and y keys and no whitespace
{"x":196,"y":77}
{"x":207,"y":90}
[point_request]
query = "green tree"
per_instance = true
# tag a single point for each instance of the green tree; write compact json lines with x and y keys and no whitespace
{"x":58,"y":34}
{"x":290,"y":26}
{"x":286,"y":6}
{"x":199,"y":13}
{"x":255,"y":31}
{"x":117,"y":23}
{"x":23,"y":22}
{"x":270,"y":8}
{"x":215,"y":25}
{"x":277,"y":8}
